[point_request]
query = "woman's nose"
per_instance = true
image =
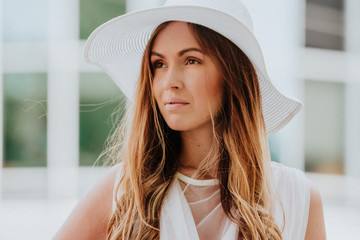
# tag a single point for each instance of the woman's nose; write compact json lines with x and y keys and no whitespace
{"x":174,"y":78}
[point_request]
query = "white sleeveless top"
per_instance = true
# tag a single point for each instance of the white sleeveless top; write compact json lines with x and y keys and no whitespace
{"x":192,"y":208}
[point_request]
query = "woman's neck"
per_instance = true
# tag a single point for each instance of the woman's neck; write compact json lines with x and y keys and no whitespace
{"x":196,"y":147}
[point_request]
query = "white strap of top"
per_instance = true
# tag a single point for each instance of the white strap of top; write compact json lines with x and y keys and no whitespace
{"x":197,"y":182}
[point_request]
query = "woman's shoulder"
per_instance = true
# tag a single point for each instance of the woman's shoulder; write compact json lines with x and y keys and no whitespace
{"x":290,"y":183}
{"x":119,"y":171}
{"x":90,"y":217}
{"x":288,"y":177}
{"x":116,"y":171}
{"x":275,"y":166}
{"x":292,"y":195}
{"x":301,"y":202}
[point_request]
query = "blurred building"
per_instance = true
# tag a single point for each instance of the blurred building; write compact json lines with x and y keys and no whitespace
{"x":56,"y":109}
{"x":312,"y":52}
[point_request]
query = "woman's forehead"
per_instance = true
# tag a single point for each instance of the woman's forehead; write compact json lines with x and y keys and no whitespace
{"x":175,"y":35}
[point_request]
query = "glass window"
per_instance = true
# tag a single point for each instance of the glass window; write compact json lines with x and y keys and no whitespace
{"x":325,"y":24}
{"x":25,"y":111}
{"x":95,"y":12}
{"x":324,"y":126}
{"x":99,"y":98}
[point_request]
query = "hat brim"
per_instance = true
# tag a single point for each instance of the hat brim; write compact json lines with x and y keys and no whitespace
{"x":118,"y":45}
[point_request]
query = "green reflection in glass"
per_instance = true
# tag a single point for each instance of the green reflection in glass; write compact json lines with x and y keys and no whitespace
{"x":99,"y":97}
{"x":274,"y":148}
{"x":324,"y":126}
{"x":25,"y":119}
{"x":95,"y":12}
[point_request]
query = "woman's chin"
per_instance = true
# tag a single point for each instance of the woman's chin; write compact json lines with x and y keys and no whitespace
{"x":178,"y":128}
{"x":182,"y":127}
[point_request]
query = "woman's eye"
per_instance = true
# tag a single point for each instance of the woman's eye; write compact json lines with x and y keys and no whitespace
{"x":158,"y":64}
{"x":193,"y":61}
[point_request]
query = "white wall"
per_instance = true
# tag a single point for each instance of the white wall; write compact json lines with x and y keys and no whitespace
{"x":352,"y":116}
{"x":63,"y":97}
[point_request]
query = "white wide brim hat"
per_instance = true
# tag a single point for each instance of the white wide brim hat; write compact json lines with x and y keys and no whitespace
{"x":118,"y":45}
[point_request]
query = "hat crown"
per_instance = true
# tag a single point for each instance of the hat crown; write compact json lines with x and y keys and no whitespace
{"x":234,"y":8}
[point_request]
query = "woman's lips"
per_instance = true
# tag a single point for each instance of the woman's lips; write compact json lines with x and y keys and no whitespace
{"x":173,"y":106}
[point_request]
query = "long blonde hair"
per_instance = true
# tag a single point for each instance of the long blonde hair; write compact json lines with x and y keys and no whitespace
{"x":150,"y":151}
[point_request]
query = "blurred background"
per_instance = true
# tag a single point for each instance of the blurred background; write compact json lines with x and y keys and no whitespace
{"x":56,"y":110}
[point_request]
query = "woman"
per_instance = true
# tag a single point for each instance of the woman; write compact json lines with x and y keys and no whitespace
{"x":195,"y":162}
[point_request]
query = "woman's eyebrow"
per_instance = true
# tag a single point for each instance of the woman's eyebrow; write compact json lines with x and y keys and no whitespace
{"x":156,"y":54}
{"x":189,"y":50}
{"x":182,"y":52}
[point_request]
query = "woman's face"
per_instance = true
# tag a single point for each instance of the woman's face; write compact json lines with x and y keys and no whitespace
{"x":187,"y":84}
